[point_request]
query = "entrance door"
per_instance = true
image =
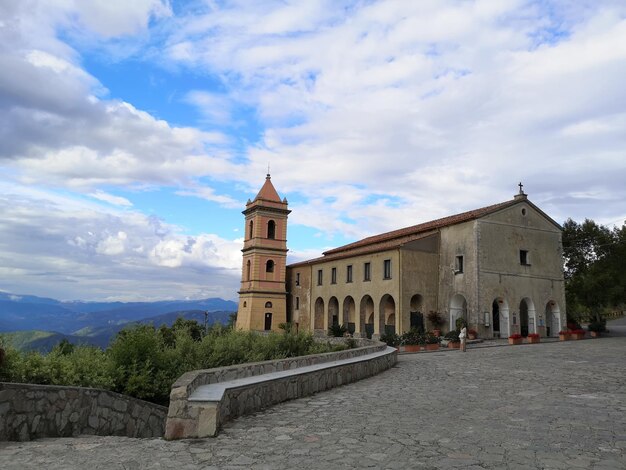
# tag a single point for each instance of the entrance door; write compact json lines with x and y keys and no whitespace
{"x":268,"y":321}
{"x":495,"y":318}
{"x":417,"y":321}
{"x":523,"y":318}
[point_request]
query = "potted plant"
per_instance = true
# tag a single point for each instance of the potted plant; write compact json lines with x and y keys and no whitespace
{"x":432,"y":341}
{"x":411,"y":340}
{"x":578,"y":333}
{"x":563,"y":335}
{"x":337,"y":331}
{"x":453,"y":339}
{"x":515,"y":338}
{"x":392,"y":340}
{"x":437,"y":321}
{"x":460,"y":323}
{"x":472,"y":333}
{"x":533,"y":338}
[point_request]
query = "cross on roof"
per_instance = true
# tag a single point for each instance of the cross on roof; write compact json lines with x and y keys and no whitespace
{"x":520,"y":188}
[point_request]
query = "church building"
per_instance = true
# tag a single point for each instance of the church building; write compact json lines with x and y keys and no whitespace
{"x":500,"y":267}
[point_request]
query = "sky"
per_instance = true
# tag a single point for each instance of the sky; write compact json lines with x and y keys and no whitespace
{"x":132,"y":133}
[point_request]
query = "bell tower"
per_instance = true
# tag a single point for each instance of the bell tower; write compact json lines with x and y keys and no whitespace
{"x":263,"y":294}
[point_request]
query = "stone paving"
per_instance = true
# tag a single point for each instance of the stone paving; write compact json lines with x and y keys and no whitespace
{"x":543,"y":406}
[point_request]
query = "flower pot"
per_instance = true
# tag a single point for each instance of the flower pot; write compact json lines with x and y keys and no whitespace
{"x":515,"y":341}
{"x":411,"y":348}
{"x":432,"y":347}
{"x":594,"y":334}
{"x":578,"y":336}
{"x":470,"y":336}
{"x":563,"y":337}
{"x":454,"y":344}
{"x":533,"y":340}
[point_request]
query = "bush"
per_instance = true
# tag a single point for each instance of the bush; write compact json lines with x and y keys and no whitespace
{"x":392,"y":339}
{"x":337,"y":330}
{"x":435,"y":319}
{"x":412,"y":337}
{"x":452,"y":336}
{"x":460,"y":323}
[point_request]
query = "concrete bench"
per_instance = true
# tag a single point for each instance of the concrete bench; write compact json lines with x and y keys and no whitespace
{"x":198,"y":409}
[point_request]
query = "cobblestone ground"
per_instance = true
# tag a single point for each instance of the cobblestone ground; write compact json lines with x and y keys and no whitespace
{"x":545,"y":406}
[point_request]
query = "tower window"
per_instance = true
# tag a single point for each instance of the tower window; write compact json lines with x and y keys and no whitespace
{"x":269,"y":266}
{"x":333,"y":276}
{"x":297,"y":303}
{"x":248,"y":268}
{"x":349,"y":273}
{"x":319,"y":277}
{"x":458,"y":264}
{"x":268,"y":304}
{"x":387,"y":269}
{"x":367,"y":271}
{"x":297,"y":279}
{"x":251,"y":230}
{"x":271,"y":229}
{"x":523,"y":258}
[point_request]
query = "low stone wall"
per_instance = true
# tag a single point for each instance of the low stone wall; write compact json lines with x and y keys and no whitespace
{"x":191,"y":419}
{"x":29,"y":411}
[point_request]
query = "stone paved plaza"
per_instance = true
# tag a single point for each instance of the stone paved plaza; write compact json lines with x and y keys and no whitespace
{"x":545,"y":406}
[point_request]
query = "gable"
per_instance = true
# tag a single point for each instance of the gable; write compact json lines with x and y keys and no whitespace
{"x":523,"y":214}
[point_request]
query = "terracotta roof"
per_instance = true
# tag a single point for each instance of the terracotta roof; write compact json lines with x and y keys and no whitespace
{"x":268,"y":192}
{"x":408,"y":233}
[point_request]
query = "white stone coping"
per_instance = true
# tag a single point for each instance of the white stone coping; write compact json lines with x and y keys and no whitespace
{"x":215,"y":392}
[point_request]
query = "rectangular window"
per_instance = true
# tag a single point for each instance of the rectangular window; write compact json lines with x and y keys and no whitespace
{"x":333,"y":276}
{"x":349,"y":274}
{"x":458,"y":265}
{"x":367,"y":272}
{"x":523,"y":258}
{"x":297,"y":279}
{"x":387,"y":269}
{"x":319,"y":277}
{"x":297,"y":303}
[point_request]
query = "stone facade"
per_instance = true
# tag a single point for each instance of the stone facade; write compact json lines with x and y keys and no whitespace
{"x":33,"y":411}
{"x":499,"y":267}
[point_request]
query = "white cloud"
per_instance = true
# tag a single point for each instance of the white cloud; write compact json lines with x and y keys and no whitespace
{"x":111,"y":199}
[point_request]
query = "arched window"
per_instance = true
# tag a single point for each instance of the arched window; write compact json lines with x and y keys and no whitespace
{"x":248,"y":271}
{"x":251,"y":229}
{"x":269,"y":266}
{"x":268,"y":304}
{"x":271,"y":229}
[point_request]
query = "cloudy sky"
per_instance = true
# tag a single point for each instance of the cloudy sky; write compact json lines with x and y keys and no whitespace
{"x":133,"y":132}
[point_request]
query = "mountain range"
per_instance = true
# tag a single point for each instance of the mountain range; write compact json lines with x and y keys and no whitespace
{"x":39,"y":323}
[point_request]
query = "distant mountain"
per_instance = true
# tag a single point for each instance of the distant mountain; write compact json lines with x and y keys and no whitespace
{"x":27,"y":312}
{"x":44,"y":341}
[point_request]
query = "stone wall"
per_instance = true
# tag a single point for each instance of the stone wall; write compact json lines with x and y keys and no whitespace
{"x":194,"y":419}
{"x":30,"y":411}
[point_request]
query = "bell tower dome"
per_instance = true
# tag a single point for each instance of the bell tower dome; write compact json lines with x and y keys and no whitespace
{"x":263,"y":294}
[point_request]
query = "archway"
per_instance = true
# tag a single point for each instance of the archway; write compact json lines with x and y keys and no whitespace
{"x":526,"y":316}
{"x":366,"y":316}
{"x":333,"y":311}
{"x":349,"y":314}
{"x":458,"y":309}
{"x":500,"y":318}
{"x":553,"y":318}
{"x":318,"y":322}
{"x":416,"y":319}
{"x":387,"y":315}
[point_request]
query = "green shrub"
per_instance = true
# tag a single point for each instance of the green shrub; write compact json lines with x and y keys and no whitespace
{"x":337,"y":330}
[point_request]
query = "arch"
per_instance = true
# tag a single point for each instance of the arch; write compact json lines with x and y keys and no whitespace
{"x":333,"y":311}
{"x":387,"y":315}
{"x":250,"y":229}
{"x":416,"y":319}
{"x":366,"y":316}
{"x":318,"y":321}
{"x":527,"y":316}
{"x":553,"y":318}
{"x":248,"y":270}
{"x":271,"y":229}
{"x":349,"y":318}
{"x":269,"y":266}
{"x":500,"y":318}
{"x":268,"y":304}
{"x":458,"y":309}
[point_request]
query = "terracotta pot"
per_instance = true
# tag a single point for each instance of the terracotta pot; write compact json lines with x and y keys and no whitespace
{"x":578,"y":336}
{"x":514,"y":342}
{"x":533,"y":340}
{"x":471,"y":336}
{"x":432,"y":347}
{"x":563,"y":337}
{"x":594,"y":334}
{"x":454,"y":344}
{"x":411,"y":348}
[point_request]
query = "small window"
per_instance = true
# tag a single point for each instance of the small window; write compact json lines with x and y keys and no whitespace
{"x":251,"y":231}
{"x":319,"y":277}
{"x":248,"y":269}
{"x":367,"y":271}
{"x":297,"y":303}
{"x":458,"y":264}
{"x":333,"y":276}
{"x":245,"y":304}
{"x":271,"y":229}
{"x":297,"y":279}
{"x":349,"y":273}
{"x":269,"y":266}
{"x":387,"y":269}
{"x":523,"y":258}
{"x":268,"y":304}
